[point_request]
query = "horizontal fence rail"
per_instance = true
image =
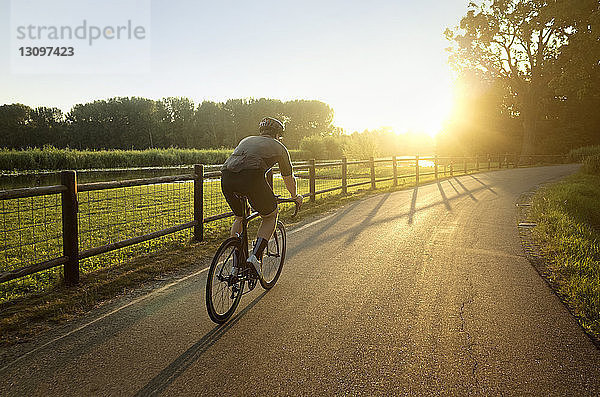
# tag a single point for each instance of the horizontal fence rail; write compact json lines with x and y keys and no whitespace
{"x":59,"y":225}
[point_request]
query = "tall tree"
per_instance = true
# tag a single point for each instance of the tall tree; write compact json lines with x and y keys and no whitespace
{"x":519,"y":42}
{"x":13,"y":123}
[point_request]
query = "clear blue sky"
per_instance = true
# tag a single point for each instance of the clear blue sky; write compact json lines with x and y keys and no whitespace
{"x":377,"y":63}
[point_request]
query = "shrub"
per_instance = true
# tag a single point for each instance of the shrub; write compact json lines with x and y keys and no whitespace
{"x":322,"y":147}
{"x":583,"y":152}
{"x":361,"y":147}
{"x":591,"y":164}
{"x":50,"y":158}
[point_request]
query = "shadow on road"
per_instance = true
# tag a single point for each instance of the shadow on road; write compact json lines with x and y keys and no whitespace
{"x":444,"y":198}
{"x":487,"y":187}
{"x":329,"y":224}
{"x":356,"y":230}
{"x":465,"y":189}
{"x":413,"y":205}
{"x":168,"y":375}
{"x":367,"y":219}
{"x":453,"y":187}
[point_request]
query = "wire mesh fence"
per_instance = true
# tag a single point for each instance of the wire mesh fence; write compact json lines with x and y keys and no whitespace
{"x":112,"y":215}
{"x":31,"y":233}
{"x":116,"y":220}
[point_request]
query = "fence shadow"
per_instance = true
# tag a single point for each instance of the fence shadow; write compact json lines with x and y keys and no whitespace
{"x":486,"y":186}
{"x":327,"y":225}
{"x":357,"y":229}
{"x":444,"y":198}
{"x":465,"y":189}
{"x":367,"y":219}
{"x":413,"y":205}
{"x":167,"y":376}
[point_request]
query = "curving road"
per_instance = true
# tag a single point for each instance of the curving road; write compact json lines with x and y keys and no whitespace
{"x":420,"y":292}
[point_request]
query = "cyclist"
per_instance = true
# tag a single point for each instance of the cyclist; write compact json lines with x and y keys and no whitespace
{"x":244,"y":174}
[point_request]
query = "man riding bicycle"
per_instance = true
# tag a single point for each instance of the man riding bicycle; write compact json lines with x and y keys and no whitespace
{"x":243,"y":174}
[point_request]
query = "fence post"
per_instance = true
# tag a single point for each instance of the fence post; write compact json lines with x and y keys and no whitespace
{"x":435,"y":166}
{"x":70,"y":228}
{"x":451,"y":168}
{"x":465,"y":161}
{"x":489,"y":162}
{"x":199,"y":202}
{"x":416,"y":170}
{"x":477,"y":162}
{"x":395,"y":170}
{"x":344,"y":176}
{"x":372,"y":164}
{"x":312,"y":179}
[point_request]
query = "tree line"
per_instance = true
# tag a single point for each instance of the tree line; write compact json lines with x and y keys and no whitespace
{"x":140,"y":123}
{"x":528,"y":77}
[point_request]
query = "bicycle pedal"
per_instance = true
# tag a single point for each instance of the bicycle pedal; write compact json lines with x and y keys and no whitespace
{"x":251,"y":284}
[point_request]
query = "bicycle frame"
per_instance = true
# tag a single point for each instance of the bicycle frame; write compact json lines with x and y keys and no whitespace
{"x":244,"y":234}
{"x":248,"y":216}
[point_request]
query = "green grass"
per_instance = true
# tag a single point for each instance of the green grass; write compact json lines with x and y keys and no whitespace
{"x":568,"y":217}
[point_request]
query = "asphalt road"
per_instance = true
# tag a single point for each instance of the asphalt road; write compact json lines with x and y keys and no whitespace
{"x":420,"y":292}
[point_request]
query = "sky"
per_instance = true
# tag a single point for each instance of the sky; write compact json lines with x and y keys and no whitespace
{"x":377,"y":63}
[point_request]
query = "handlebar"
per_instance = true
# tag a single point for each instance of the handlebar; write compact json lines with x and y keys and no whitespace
{"x":289,"y":200}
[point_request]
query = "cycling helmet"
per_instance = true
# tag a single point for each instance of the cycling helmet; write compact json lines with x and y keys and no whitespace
{"x":271,"y":126}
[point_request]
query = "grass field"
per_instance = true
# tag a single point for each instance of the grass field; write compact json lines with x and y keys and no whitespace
{"x":568,"y":217}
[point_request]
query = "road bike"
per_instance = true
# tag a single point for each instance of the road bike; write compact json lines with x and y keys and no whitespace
{"x":224,"y":289}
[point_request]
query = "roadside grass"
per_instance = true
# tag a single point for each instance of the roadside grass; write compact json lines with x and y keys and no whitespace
{"x":568,"y":230}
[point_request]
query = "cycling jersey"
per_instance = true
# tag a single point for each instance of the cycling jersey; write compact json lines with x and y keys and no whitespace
{"x":259,"y":153}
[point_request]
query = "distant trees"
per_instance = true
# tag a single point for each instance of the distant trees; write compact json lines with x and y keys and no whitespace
{"x":382,"y":142}
{"x":536,"y":61}
{"x":140,"y":123}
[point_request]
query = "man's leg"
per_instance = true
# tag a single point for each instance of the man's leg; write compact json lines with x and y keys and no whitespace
{"x":265,"y":231}
{"x":236,"y":228}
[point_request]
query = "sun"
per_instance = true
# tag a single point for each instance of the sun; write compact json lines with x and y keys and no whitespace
{"x":423,"y":112}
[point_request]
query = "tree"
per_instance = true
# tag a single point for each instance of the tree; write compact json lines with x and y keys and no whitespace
{"x":483,"y":119}
{"x":13,"y":123}
{"x":518,"y":42}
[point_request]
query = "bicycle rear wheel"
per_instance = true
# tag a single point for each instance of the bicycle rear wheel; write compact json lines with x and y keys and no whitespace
{"x":223,"y":293}
{"x":273,"y":257}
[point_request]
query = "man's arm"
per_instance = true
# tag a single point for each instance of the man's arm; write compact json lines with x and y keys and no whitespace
{"x":290,"y":184}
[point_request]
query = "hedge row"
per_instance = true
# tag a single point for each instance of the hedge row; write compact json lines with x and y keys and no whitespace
{"x":50,"y":158}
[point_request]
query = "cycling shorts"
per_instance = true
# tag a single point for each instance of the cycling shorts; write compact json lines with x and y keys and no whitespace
{"x":253,"y":185}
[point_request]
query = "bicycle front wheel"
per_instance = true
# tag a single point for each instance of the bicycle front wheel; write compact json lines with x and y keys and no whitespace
{"x":223,"y":290}
{"x":273,"y":257}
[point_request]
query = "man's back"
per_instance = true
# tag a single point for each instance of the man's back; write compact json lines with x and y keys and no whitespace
{"x":259,"y":152}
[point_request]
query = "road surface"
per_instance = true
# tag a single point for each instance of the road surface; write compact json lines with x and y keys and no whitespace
{"x":419,"y":292}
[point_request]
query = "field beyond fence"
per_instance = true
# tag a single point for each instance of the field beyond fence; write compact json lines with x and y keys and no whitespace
{"x":54,"y":233}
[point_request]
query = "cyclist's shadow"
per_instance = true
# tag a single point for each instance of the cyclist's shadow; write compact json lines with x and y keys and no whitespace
{"x":168,"y":375}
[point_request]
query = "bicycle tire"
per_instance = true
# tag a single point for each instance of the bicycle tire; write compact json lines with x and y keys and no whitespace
{"x":219,"y":286}
{"x":273,"y":257}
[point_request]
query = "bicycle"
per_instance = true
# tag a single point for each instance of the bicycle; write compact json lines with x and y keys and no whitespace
{"x":223,"y":289}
